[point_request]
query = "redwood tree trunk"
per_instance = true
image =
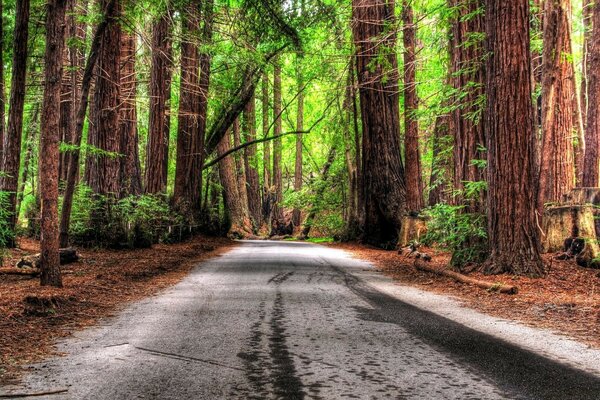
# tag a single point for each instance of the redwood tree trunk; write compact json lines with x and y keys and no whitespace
{"x":467,"y":76}
{"x":592,"y":131}
{"x":2,"y":92}
{"x":240,"y":172}
{"x":251,"y":164}
{"x":414,"y":182}
{"x":557,"y":169}
{"x":12,"y":141}
{"x":267,"y":181}
{"x":104,"y":170}
{"x":49,"y":141}
{"x":299,"y":127}
{"x":158,"y":135}
{"x":509,"y":126}
{"x":277,"y":144}
{"x":384,"y":188}
{"x":237,"y":209}
{"x":131,"y":178}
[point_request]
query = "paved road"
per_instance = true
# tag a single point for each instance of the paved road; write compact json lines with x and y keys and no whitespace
{"x":292,"y":321}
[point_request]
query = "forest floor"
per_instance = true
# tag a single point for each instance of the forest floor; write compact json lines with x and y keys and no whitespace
{"x":32,"y":317}
{"x":566,"y":301}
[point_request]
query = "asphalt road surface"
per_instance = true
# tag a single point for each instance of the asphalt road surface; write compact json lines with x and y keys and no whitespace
{"x":283,"y":320}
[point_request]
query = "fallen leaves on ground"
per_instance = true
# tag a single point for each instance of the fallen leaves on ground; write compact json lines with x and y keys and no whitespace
{"x":566,"y":301}
{"x":32,"y":317}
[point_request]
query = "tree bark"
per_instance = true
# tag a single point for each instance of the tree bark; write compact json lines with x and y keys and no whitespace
{"x":240,"y":172}
{"x":277,"y":144}
{"x":158,"y":135}
{"x":384,"y":186}
{"x":188,"y":128}
{"x":467,"y":77}
{"x":299,"y":127}
{"x":239,"y":218}
{"x":414,"y":181}
{"x":12,"y":141}
{"x":103,"y":169}
{"x":509,"y":126}
{"x":130,"y":169}
{"x":2,"y":91}
{"x":267,"y":180}
{"x":592,"y":131}
{"x":557,"y":169}
{"x":587,"y":33}
{"x":251,"y":164}
{"x":49,"y":142}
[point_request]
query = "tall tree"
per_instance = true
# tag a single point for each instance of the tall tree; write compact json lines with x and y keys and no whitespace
{"x":383,"y":180}
{"x":2,"y":94}
{"x":559,"y":100}
{"x":467,"y":77}
{"x":299,"y":128}
{"x":104,"y":165}
{"x":48,"y":163}
{"x":587,"y":33}
{"x":277,"y":143}
{"x":592,"y":127}
{"x":11,"y":156}
{"x":251,"y":163}
{"x":160,"y":77}
{"x":267,"y":181}
{"x":414,"y":181}
{"x":240,"y":172}
{"x":130,"y":169}
{"x":509,"y":126}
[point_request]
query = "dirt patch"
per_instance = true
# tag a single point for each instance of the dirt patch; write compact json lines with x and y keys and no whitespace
{"x":567,"y":300}
{"x":32,"y":318}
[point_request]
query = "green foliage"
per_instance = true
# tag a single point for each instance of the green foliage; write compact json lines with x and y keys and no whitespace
{"x":464,"y":234}
{"x":6,"y":233}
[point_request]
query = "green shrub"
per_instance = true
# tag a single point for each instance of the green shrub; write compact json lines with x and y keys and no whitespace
{"x":464,"y":234}
{"x":6,"y":233}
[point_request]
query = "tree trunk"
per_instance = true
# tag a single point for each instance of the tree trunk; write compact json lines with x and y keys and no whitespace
{"x":239,"y":217}
{"x":299,"y":127}
{"x":467,"y":77}
{"x":49,"y":142}
{"x":277,"y":144}
{"x":557,"y":169}
{"x":383,"y":180}
{"x":240,"y":172}
{"x":131,"y":176}
{"x":110,"y":13}
{"x":2,"y":92}
{"x":587,"y":34}
{"x":509,"y":127}
{"x":414,"y":180}
{"x":267,"y":178}
{"x":12,"y":141}
{"x":592,"y":131}
{"x":158,"y":135}
{"x":251,"y":164}
{"x":103,"y":169}
{"x":188,"y":129}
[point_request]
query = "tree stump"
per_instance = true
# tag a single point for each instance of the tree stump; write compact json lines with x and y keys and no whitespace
{"x":67,"y":256}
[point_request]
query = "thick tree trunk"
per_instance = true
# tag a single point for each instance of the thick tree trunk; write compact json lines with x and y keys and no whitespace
{"x":587,"y":34}
{"x":188,"y":128}
{"x":49,"y":141}
{"x":557,"y":169}
{"x":592,"y":131}
{"x":277,"y":145}
{"x":2,"y":91}
{"x":384,"y":187}
{"x":111,"y":11}
{"x":12,"y":141}
{"x":160,"y":78}
{"x":251,"y":164}
{"x":237,"y":209}
{"x":467,"y":77}
{"x":299,"y":127}
{"x":414,"y":181}
{"x":509,"y":127}
{"x":240,"y":172}
{"x":103,"y":169}
{"x":131,"y":175}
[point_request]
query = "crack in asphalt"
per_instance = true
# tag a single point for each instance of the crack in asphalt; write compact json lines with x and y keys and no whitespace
{"x":186,"y":358}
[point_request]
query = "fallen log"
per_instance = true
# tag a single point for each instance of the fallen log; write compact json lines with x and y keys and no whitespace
{"x":493,"y":287}
{"x":19,"y":271}
{"x":67,"y":256}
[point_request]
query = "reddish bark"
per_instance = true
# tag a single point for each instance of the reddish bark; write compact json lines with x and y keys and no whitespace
{"x":384,"y":189}
{"x":414,"y":181}
{"x":592,"y":129}
{"x":509,"y":126}
{"x":49,"y":141}
{"x":12,"y":141}
{"x":251,"y":164}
